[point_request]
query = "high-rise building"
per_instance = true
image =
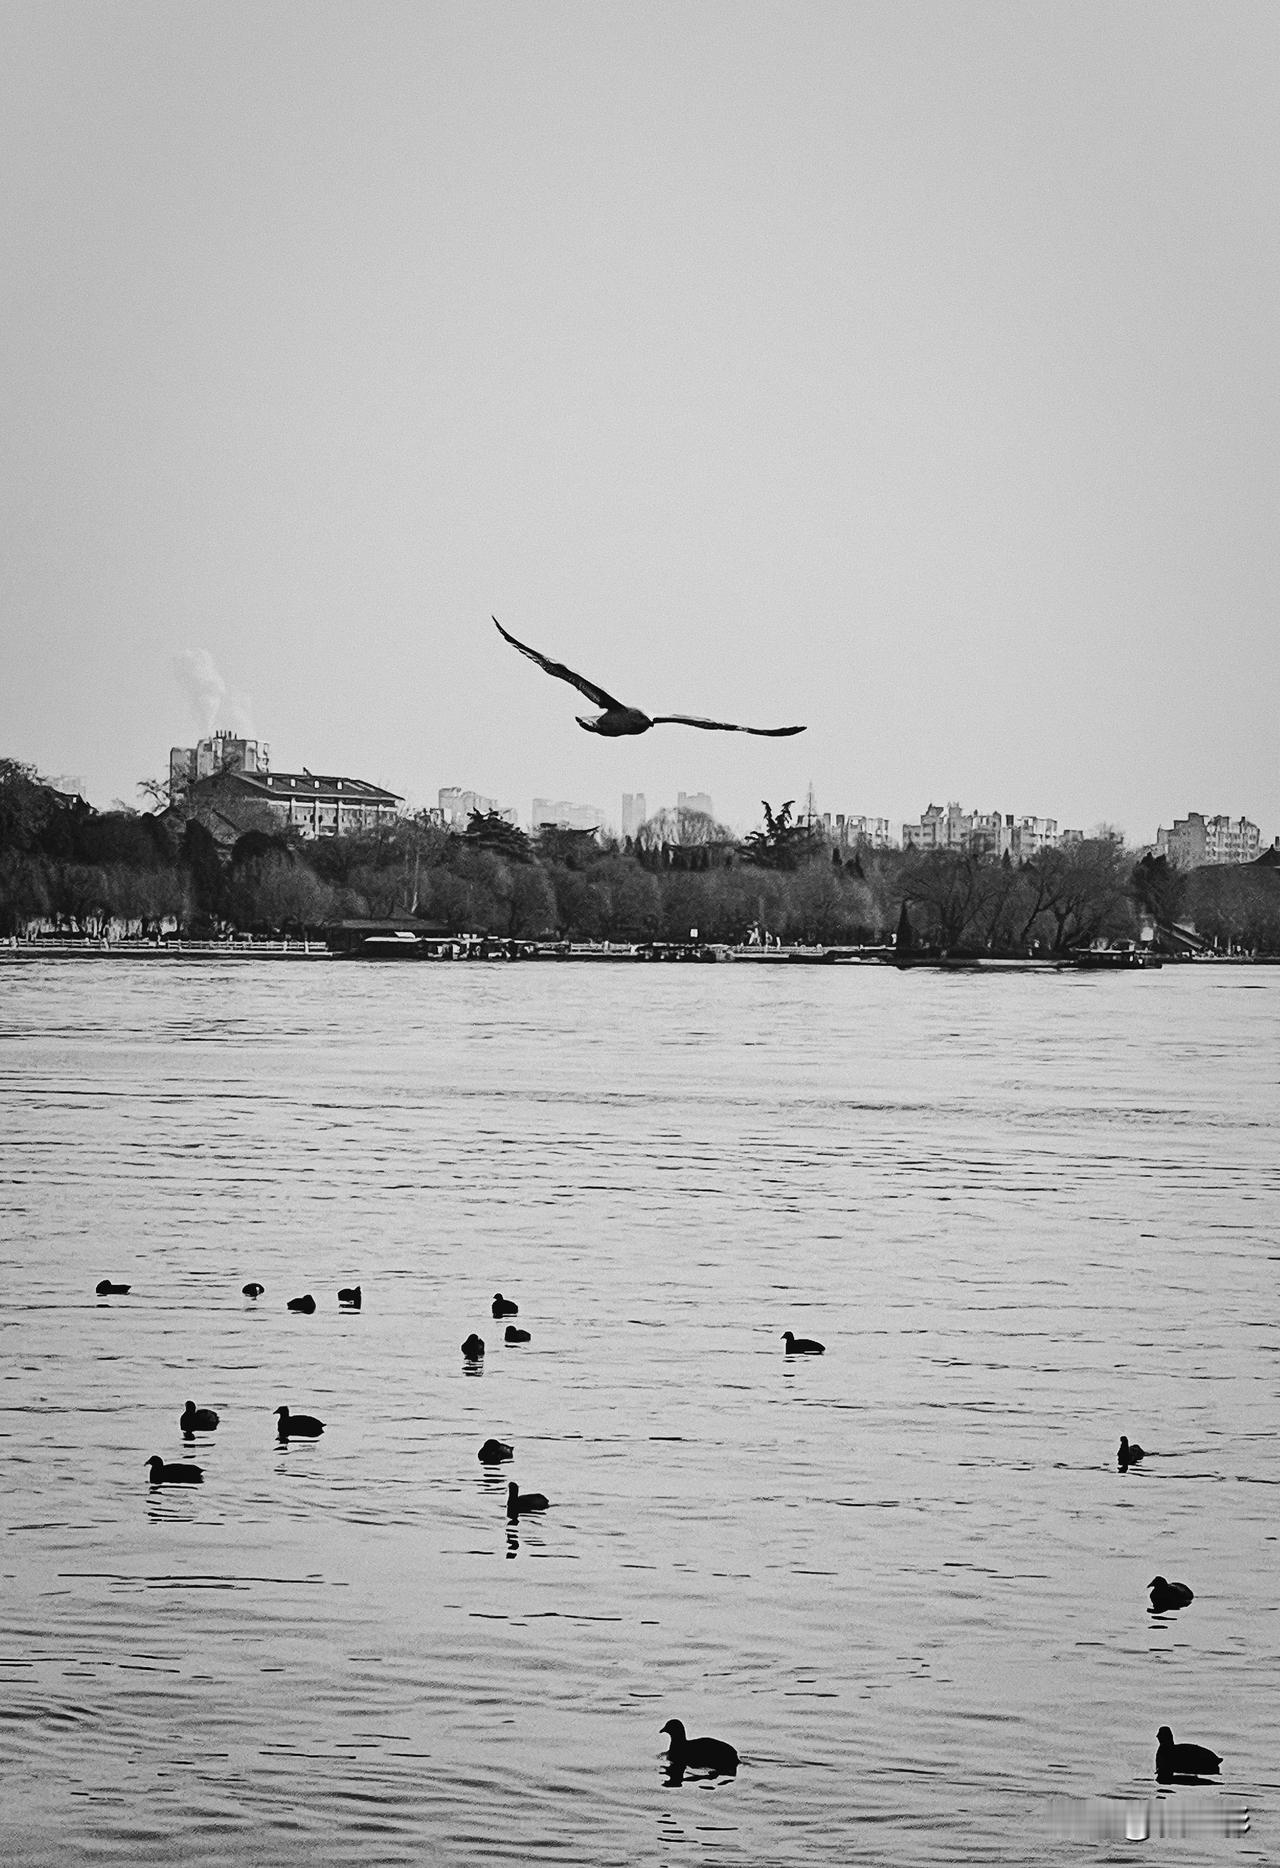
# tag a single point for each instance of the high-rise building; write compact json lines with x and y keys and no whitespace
{"x":633,"y":812}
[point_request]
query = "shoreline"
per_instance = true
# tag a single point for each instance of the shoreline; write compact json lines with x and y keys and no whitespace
{"x":21,"y":953}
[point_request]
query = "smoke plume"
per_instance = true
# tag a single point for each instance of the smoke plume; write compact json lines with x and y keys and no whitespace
{"x":207,"y":695}
{"x":203,"y":686}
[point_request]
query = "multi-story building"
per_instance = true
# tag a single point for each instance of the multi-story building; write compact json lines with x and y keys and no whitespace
{"x":559,"y":814}
{"x":695,"y":801}
{"x":634,"y":812}
{"x":847,"y":831}
{"x":993,"y":833}
{"x":1196,"y":840}
{"x":221,"y":752}
{"x":228,"y":785}
{"x":938,"y":829}
{"x":1027,"y":836}
{"x":456,"y":806}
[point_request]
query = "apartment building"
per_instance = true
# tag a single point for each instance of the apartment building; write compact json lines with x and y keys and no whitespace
{"x":847,"y":830}
{"x":994,"y":833}
{"x":1196,"y":840}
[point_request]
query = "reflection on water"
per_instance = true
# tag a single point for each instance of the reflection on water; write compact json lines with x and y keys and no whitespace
{"x":906,"y":1578}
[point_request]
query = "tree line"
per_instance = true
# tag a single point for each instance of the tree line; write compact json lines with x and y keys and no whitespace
{"x":70,"y":868}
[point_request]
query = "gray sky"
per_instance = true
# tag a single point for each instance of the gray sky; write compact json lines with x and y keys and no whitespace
{"x":909,"y":370}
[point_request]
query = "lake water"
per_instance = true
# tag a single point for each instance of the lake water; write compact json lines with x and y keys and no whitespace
{"x":1025,"y":1213}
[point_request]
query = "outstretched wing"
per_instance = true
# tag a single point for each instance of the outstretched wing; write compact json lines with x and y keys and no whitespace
{"x":561,"y":673}
{"x":723,"y":726}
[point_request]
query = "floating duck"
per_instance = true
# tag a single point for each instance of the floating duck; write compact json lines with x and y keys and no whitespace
{"x":350,"y":1295}
{"x":1183,"y":1760}
{"x":297,"y":1426}
{"x":1129,"y":1455}
{"x":195,"y":1419}
{"x":1166,"y":1596}
{"x":619,"y":720}
{"x":305,"y":1304}
{"x":802,"y":1345}
{"x":699,"y":1754}
{"x":107,"y":1289}
{"x":513,"y":1335}
{"x":518,"y":1501}
{"x":503,"y":1306}
{"x":173,"y":1473}
{"x":253,"y":1290}
{"x":473,"y":1348}
{"x":493,"y":1452}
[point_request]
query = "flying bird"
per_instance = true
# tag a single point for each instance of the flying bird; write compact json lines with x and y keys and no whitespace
{"x":619,"y":720}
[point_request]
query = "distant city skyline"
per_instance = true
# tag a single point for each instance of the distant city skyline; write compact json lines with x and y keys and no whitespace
{"x":936,"y":827}
{"x":907,"y":372}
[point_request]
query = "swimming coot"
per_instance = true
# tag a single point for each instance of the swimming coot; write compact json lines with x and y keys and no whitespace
{"x":699,"y":1754}
{"x":107,"y":1289}
{"x":297,"y":1426}
{"x":350,"y":1295}
{"x":1183,"y":1760}
{"x":802,"y":1345}
{"x":503,"y":1306}
{"x":473,"y":1348}
{"x":174,"y":1473}
{"x":513,"y":1335}
{"x":518,"y":1501}
{"x":1165,"y":1596}
{"x":493,"y":1452}
{"x":305,"y":1304}
{"x":1129,"y":1455}
{"x":195,"y":1419}
{"x":253,"y":1290}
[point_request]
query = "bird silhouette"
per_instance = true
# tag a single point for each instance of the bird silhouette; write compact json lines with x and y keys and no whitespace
{"x":195,"y":1419}
{"x":1129,"y":1454}
{"x":518,"y":1501}
{"x":493,"y":1452}
{"x":698,"y":1754}
{"x":298,"y":1426}
{"x":173,"y":1472}
{"x":1166,"y":1596}
{"x":1183,"y":1760}
{"x":802,"y":1345}
{"x":618,"y":720}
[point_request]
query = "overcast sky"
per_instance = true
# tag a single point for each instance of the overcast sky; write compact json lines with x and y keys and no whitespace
{"x":906,"y":370}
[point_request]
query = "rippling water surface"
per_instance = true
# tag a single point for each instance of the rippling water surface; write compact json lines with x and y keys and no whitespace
{"x":1025,"y":1213}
